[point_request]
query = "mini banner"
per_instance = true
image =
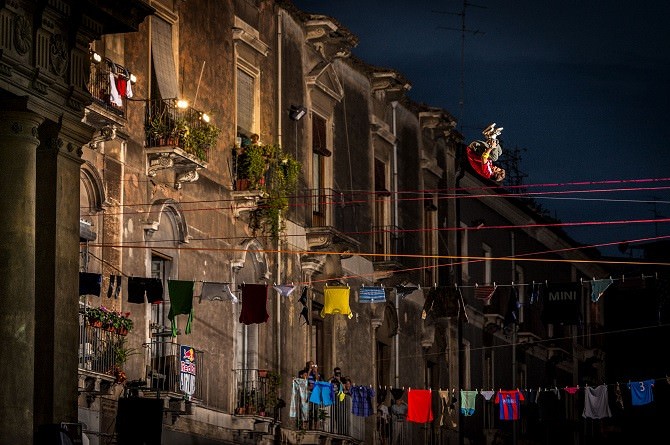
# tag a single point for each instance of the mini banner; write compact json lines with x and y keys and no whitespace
{"x":187,"y":370}
{"x":561,"y":303}
{"x":371,"y":294}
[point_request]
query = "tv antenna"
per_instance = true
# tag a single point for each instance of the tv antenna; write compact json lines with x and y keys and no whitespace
{"x":463,"y":31}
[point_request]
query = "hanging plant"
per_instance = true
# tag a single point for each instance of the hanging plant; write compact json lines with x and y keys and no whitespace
{"x":276,"y":173}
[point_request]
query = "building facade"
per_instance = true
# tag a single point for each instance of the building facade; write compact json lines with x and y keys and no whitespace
{"x":231,"y":280}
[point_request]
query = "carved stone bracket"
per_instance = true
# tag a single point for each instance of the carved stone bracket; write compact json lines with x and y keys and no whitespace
{"x":245,"y":201}
{"x":106,"y":133}
{"x":184,"y":164}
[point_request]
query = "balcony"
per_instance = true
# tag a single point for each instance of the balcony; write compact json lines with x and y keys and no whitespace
{"x":178,"y":139}
{"x":108,"y":84}
{"x":97,"y":358}
{"x":329,"y":421}
{"x":328,"y":215}
{"x":163,"y":366}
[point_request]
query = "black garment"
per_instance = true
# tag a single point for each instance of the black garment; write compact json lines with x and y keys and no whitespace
{"x":444,"y":302}
{"x":138,"y":286}
{"x":89,"y":283}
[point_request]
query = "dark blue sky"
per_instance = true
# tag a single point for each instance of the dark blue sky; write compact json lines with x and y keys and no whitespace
{"x":582,"y":87}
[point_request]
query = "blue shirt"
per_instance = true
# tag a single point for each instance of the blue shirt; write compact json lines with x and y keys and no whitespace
{"x":361,"y":400}
{"x":640,"y":392}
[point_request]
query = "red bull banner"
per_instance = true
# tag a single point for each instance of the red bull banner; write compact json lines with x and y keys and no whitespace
{"x":187,"y":370}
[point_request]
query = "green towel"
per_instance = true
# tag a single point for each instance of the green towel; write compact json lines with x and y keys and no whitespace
{"x":181,"y":302}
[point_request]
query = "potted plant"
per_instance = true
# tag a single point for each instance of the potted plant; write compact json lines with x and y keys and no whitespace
{"x":121,"y":353}
{"x":200,"y":139}
{"x":97,"y":317}
{"x":125,"y":324}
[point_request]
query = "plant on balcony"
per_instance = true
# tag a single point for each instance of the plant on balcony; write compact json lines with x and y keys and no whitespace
{"x":98,"y":317}
{"x":199,"y":139}
{"x":272,"y":401}
{"x":275,"y":172}
{"x":121,"y":353}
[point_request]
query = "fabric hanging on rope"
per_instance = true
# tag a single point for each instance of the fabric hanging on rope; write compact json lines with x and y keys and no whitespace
{"x":114,"y":289}
{"x":214,"y":291}
{"x":181,"y":302}
{"x":336,"y":301}
{"x":90,"y":283}
{"x":512,"y":314}
{"x":403,"y":290}
{"x":254,"y":304}
{"x":371,"y":294}
{"x":138,"y":286}
{"x":443,"y":301}
{"x":284,"y":289}
{"x":419,"y":406}
{"x":598,"y":288}
{"x":485,"y":293}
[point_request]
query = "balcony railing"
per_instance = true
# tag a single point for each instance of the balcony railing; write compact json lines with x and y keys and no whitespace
{"x":388,"y":242}
{"x":255,"y":393}
{"x":335,"y":419}
{"x":97,"y":348}
{"x":168,"y":125}
{"x":163,"y":366}
{"x":100,"y":86}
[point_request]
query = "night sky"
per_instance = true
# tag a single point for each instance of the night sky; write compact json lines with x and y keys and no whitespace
{"x":582,"y":89}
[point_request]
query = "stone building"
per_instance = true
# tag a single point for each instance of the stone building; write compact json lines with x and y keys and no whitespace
{"x":383,"y":201}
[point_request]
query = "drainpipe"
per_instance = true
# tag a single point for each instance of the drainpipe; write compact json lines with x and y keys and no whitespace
{"x":396,"y":340}
{"x":279,"y":141}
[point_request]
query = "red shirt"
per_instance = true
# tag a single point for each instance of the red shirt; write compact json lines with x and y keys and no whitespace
{"x":481,"y":167}
{"x":508,"y":402}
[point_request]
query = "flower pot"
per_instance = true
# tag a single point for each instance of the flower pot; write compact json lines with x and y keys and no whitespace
{"x":96,"y":323}
{"x":122,"y":331}
{"x":262,"y":373}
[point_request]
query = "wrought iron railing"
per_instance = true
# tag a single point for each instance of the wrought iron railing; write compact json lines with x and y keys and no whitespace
{"x":167,"y":124}
{"x":326,"y":207}
{"x":104,"y":76}
{"x":336,"y":418}
{"x":256,"y":393}
{"x":97,"y":348}
{"x":163,"y":365}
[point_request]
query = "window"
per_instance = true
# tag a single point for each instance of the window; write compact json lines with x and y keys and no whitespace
{"x":430,"y":239}
{"x":160,"y":268}
{"x":164,"y":69}
{"x":382,"y":202}
{"x":383,"y":364}
{"x":246,"y":86}
{"x":320,"y":152}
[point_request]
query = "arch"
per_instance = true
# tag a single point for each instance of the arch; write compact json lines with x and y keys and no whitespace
{"x":389,"y":327}
{"x":252,"y":249}
{"x":92,"y":185}
{"x":153,"y":219}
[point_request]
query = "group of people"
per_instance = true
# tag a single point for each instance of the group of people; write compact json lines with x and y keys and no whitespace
{"x":340,"y":383}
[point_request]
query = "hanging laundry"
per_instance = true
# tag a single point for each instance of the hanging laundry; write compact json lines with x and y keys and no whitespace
{"x":535,"y":293}
{"x":181,"y":302}
{"x":468,"y":399}
{"x":371,"y":294}
{"x":284,"y":289}
{"x":90,"y":283}
{"x":361,"y":400}
{"x":299,"y":398}
{"x":254,"y":304}
{"x":419,"y":406}
{"x":448,"y":411}
{"x":641,"y":392}
{"x":508,"y":403}
{"x":114,"y":96}
{"x":397,"y":393}
{"x":121,"y":85}
{"x":322,"y":393}
{"x":598,"y":288}
{"x":512,"y":314}
{"x":403,"y":290}
{"x":485,"y":293}
{"x":488,"y":395}
{"x":596,"y":404}
{"x":213,"y":291}
{"x":619,"y":397}
{"x":336,"y":301}
{"x":138,"y":286}
{"x":443,"y":301}
{"x":114,"y":289}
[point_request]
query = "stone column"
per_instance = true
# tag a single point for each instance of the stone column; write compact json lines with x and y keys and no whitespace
{"x":18,"y":144}
{"x":57,"y":265}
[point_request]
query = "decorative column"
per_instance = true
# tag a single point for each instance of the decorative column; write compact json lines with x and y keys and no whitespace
{"x":18,"y":144}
